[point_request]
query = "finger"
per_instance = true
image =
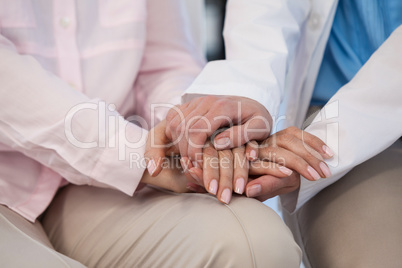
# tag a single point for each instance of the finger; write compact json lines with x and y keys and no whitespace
{"x":269,"y":168}
{"x":240,"y":169}
{"x":290,"y":160}
{"x":176,"y":127}
{"x":210,"y":169}
{"x":257,"y":128}
{"x":225,"y":176}
{"x":173,"y":118}
{"x":196,"y":174}
{"x":313,"y":142}
{"x":269,"y":186}
{"x":193,"y":112}
{"x":185,"y":164}
{"x":195,"y":188}
{"x":188,"y":170}
{"x":293,"y":184}
{"x":226,"y":111}
{"x":318,"y":168}
{"x":252,"y":150}
{"x":186,"y":143}
{"x":155,"y":149}
{"x":203,"y":128}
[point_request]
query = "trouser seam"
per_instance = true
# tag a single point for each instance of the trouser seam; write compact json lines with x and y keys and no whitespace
{"x":246,"y":235}
{"x":233,"y":213}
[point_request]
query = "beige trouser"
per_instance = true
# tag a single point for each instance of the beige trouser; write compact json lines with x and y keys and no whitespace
{"x":105,"y":228}
{"x":356,"y":222}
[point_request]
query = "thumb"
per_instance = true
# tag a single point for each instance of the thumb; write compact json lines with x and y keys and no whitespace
{"x":157,"y":147}
{"x":236,"y":136}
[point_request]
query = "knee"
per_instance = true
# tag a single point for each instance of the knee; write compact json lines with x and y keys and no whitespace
{"x":246,"y":233}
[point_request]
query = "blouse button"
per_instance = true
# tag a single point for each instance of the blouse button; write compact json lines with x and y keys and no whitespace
{"x":65,"y":22}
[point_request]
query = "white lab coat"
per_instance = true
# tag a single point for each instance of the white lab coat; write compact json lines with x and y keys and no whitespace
{"x":274,"y":50}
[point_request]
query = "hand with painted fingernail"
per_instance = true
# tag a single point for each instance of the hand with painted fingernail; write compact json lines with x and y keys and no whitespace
{"x":225,"y":171}
{"x":191,"y":124}
{"x":283,"y":157}
{"x":217,"y":173}
{"x":160,"y":151}
{"x":299,"y":151}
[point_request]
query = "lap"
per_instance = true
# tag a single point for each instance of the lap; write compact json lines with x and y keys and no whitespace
{"x":156,"y":228}
{"x":25,"y":244}
{"x":356,"y":222}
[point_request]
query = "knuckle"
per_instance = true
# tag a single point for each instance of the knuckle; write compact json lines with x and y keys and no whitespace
{"x":210,"y":152}
{"x":227,"y":154}
{"x":199,"y":125}
{"x":191,"y":150}
{"x":197,"y":139}
{"x":221,"y":102}
{"x":268,"y":152}
{"x":179,"y":127}
{"x":239,"y":150}
{"x":276,"y":185}
{"x":209,"y":99}
{"x":302,"y":165}
{"x":293,"y":129}
{"x":171,"y":115}
{"x":268,"y":187}
{"x":311,"y":158}
{"x":252,"y":145}
{"x":286,"y":138}
{"x":174,"y":124}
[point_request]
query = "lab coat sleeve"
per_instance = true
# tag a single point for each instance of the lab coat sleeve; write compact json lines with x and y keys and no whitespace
{"x":361,"y":120}
{"x":260,"y":39}
{"x":171,"y":60}
{"x":44,"y":118}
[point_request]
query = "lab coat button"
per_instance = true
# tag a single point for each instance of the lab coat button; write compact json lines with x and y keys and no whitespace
{"x":314,"y":21}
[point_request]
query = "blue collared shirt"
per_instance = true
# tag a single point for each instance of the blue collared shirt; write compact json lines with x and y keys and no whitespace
{"x":359,"y":29}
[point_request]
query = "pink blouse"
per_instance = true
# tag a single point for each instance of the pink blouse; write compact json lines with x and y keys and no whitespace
{"x":69,"y":72}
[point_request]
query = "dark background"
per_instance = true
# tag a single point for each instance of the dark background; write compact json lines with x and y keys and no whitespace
{"x":215,"y":13}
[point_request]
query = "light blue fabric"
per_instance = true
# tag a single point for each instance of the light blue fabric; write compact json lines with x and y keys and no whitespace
{"x":359,"y":29}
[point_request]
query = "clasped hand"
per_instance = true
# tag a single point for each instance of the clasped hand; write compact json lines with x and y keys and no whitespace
{"x":251,"y":163}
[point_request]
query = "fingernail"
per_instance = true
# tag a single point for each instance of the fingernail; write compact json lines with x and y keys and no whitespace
{"x":226,"y":195}
{"x":285,"y":170}
{"x":253,"y":154}
{"x":195,"y":164}
{"x":213,"y":187}
{"x":254,"y":190}
{"x":328,"y":151}
{"x":239,"y":187}
{"x":151,"y":167}
{"x":194,"y":175}
{"x":313,"y":173}
{"x":221,"y":143}
{"x":325,"y":170}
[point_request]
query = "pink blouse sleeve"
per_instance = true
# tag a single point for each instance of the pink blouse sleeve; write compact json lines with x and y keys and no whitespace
{"x":44,"y":118}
